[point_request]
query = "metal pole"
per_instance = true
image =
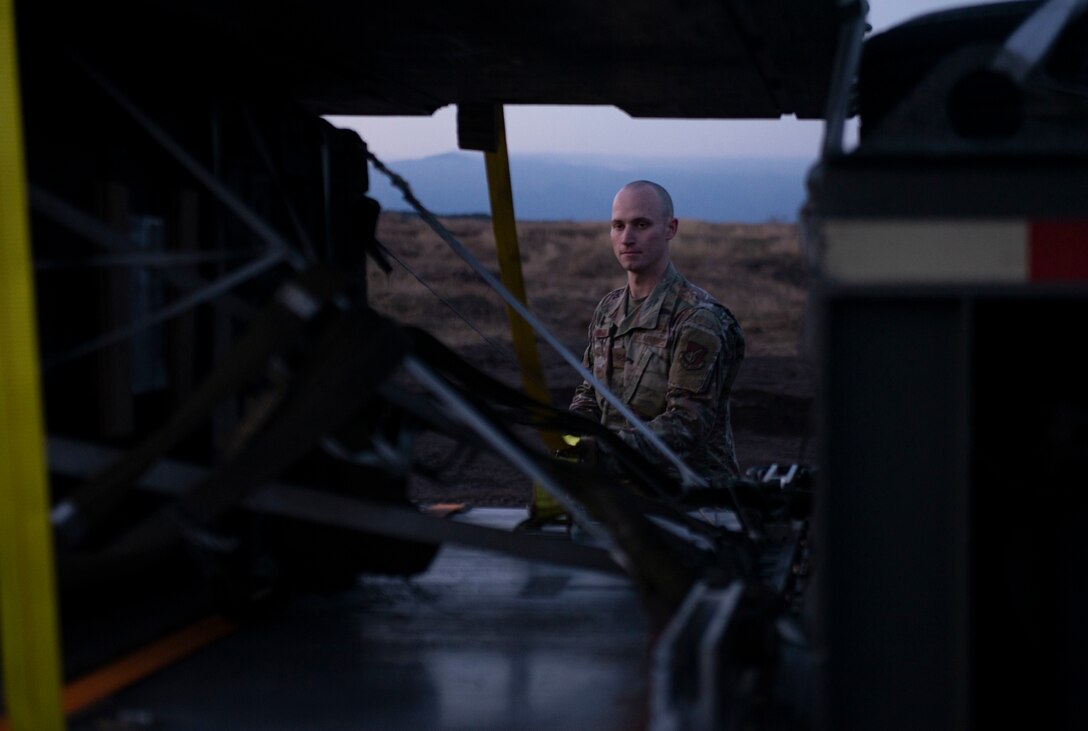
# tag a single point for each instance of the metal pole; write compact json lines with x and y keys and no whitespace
{"x":29,"y":628}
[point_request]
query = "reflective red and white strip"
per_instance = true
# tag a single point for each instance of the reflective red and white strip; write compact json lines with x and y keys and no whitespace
{"x":912,"y":251}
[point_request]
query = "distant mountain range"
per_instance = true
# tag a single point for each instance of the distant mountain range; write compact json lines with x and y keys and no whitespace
{"x":580,"y":188}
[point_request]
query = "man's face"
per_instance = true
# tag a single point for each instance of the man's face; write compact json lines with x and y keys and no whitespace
{"x":640,"y":231}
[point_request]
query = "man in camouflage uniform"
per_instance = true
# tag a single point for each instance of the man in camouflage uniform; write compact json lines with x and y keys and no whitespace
{"x":667,"y":348}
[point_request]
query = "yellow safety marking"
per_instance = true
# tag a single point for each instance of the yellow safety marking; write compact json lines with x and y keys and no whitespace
{"x":29,"y":630}
{"x":504,"y":225}
{"x":98,"y":685}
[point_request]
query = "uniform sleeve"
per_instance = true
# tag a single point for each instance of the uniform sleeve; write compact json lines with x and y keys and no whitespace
{"x":702,"y":356}
{"x":584,"y":402}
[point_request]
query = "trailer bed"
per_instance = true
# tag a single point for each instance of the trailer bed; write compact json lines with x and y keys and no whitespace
{"x":480,"y":640}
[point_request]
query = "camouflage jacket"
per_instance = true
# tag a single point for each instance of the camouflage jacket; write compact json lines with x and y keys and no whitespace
{"x":673,"y":362}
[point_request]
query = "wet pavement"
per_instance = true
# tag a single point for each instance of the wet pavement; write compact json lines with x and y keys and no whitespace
{"x":480,"y":640}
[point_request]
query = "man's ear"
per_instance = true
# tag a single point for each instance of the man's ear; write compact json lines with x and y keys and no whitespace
{"x":673,"y":226}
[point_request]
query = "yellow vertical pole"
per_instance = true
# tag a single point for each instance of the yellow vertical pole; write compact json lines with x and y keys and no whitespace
{"x":504,"y":225}
{"x":29,"y":630}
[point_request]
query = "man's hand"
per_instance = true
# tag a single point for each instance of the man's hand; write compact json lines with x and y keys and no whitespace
{"x":583,"y":450}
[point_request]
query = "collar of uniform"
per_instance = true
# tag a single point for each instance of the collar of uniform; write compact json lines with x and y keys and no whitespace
{"x":662,"y":297}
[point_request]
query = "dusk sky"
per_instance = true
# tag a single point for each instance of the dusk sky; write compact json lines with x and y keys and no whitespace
{"x":606,"y":130}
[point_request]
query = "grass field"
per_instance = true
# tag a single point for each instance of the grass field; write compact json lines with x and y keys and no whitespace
{"x":757,"y":270}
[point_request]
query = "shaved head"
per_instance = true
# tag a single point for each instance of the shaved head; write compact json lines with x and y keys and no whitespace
{"x":662,"y":195}
{"x":642,"y":226}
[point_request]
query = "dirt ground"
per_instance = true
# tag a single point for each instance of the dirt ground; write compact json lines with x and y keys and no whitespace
{"x":758,"y":271}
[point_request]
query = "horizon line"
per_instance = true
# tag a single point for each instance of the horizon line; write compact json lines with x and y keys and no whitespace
{"x":618,"y":155}
{"x":603,"y":221}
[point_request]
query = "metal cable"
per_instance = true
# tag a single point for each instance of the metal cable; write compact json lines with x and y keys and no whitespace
{"x":173,"y":309}
{"x":462,"y":411}
{"x":162,"y":258}
{"x":262,"y":150}
{"x":224,"y":194}
{"x":688,"y":478}
{"x":495,"y":346}
{"x":90,"y":228}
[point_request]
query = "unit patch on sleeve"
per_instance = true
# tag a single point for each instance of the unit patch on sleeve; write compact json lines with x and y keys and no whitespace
{"x":693,"y":357}
{"x":696,"y":353}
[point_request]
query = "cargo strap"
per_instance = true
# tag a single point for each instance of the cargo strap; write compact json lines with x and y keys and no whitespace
{"x":295,"y":304}
{"x":76,"y":458}
{"x":28,"y":612}
{"x":544,"y":506}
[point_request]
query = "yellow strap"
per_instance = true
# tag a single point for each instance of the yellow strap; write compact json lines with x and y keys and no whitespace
{"x":29,"y":631}
{"x":504,"y":225}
